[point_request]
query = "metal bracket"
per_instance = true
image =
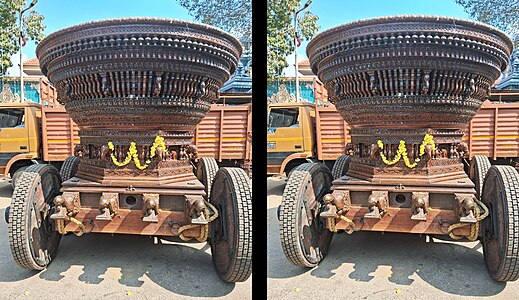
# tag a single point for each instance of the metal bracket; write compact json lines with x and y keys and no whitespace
{"x":420,"y":206}
{"x":151,"y":208}
{"x":465,"y":207}
{"x":378,"y":204}
{"x":108,"y":206}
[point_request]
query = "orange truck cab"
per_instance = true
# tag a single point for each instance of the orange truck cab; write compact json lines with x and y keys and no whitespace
{"x":290,"y":136}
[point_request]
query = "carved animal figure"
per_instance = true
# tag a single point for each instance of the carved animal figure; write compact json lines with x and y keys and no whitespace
{"x":425,"y":84}
{"x":374,"y":150}
{"x":159,"y":153}
{"x":463,"y":150}
{"x":192,"y":152}
{"x":105,"y":151}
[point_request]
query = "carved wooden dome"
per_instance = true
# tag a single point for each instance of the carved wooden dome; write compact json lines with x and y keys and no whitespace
{"x":401,"y":71}
{"x":138,"y":74}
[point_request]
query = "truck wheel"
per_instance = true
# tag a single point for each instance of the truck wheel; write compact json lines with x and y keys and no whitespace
{"x":16,"y":175}
{"x":340,"y":167}
{"x":205,"y":172}
{"x":479,"y":166}
{"x":500,"y":230}
{"x":32,"y":235}
{"x":230,"y":235}
{"x":69,"y":168}
{"x":304,"y":237}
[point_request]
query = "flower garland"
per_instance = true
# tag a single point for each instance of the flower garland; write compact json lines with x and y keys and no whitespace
{"x":402,"y":151}
{"x":132,"y":153}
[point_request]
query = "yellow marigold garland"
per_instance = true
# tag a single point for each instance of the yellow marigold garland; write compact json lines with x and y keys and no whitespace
{"x":402,"y":151}
{"x":132,"y":153}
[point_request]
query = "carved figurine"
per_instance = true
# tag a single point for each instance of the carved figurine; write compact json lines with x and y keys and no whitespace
{"x":105,"y":151}
{"x":463,"y":150}
{"x":158,"y":86}
{"x":173,"y":155}
{"x":425,"y":84}
{"x":79,"y":150}
{"x":159,"y":153}
{"x":374,"y":150}
{"x":192,"y":152}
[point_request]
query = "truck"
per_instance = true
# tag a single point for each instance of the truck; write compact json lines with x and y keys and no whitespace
{"x":33,"y":132}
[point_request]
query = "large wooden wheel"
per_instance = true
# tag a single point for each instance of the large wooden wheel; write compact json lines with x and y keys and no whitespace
{"x":69,"y":168}
{"x":230,"y":235}
{"x":206,"y":171}
{"x":304,"y":237}
{"x":32,"y":235}
{"x":479,"y":166}
{"x":500,"y":230}
{"x":340,"y":166}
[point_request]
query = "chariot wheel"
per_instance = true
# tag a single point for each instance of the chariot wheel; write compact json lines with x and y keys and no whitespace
{"x":500,"y":230}
{"x":69,"y":168}
{"x":230,"y":235}
{"x":479,"y":166}
{"x":340,"y":166}
{"x":206,"y":171}
{"x":304,"y":237}
{"x":32,"y":235}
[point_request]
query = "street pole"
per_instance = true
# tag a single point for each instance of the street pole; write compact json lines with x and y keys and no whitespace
{"x":22,"y":96}
{"x":295,"y":47}
{"x":295,"y":57}
{"x":21,"y":60}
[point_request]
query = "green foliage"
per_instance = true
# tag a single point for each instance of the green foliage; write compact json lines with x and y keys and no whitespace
{"x":280,"y":32}
{"x":10,"y":30}
{"x":503,"y":14}
{"x":233,"y":16}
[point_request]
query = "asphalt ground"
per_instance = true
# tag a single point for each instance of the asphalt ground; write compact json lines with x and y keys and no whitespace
{"x":371,"y":265}
{"x":104,"y":266}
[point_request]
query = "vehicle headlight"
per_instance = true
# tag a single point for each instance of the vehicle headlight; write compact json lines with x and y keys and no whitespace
{"x":271,"y":145}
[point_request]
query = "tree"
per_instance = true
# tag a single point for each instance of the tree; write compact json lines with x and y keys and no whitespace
{"x":10,"y":29}
{"x":233,"y":16}
{"x":503,"y":14}
{"x":280,"y":32}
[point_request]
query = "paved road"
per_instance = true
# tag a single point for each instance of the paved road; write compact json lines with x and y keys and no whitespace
{"x":101,"y":266}
{"x":369,"y":265}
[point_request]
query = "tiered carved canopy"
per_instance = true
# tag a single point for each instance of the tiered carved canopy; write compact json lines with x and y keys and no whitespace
{"x":402,"y":77}
{"x":133,"y":79}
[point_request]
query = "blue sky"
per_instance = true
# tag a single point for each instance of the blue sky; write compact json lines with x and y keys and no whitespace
{"x":336,"y":12}
{"x":64,"y":13}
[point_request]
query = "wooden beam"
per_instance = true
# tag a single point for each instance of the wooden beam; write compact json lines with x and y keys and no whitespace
{"x":399,"y":220}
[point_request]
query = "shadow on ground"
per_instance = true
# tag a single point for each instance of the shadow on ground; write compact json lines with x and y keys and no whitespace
{"x":179,"y":268}
{"x":449,"y":267}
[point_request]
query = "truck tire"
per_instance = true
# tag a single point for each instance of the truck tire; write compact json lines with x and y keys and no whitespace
{"x":33,"y":239}
{"x":340,"y":167}
{"x":205,"y":172}
{"x":230,"y":235}
{"x":304,"y":237}
{"x":16,"y":175}
{"x":479,"y":166}
{"x":69,"y":168}
{"x":500,"y":230}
